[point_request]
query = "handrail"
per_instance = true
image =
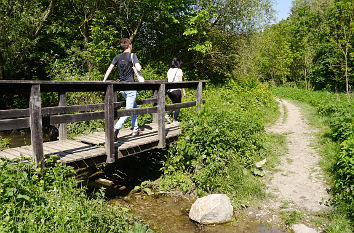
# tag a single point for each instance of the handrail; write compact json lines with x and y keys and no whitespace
{"x":34,"y":116}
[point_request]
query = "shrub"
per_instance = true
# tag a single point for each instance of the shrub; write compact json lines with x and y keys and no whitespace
{"x":221,"y":142}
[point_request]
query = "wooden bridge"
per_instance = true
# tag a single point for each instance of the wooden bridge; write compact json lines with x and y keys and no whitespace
{"x":100,"y":146}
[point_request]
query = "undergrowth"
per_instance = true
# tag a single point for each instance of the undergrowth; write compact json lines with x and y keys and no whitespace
{"x":221,"y":143}
{"x":52,"y":201}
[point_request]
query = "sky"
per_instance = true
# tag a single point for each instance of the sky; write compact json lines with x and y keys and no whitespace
{"x":282,"y":8}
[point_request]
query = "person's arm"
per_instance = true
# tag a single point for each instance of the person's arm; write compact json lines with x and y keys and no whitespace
{"x":138,"y":67}
{"x":183,"y":90}
{"x":109,"y":70}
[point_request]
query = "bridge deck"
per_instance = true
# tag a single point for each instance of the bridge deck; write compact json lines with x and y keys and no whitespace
{"x":83,"y":150}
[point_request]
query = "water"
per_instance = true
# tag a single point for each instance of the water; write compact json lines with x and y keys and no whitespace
{"x":22,"y":137}
{"x":17,"y":137}
{"x":167,"y":213}
{"x":164,"y":212}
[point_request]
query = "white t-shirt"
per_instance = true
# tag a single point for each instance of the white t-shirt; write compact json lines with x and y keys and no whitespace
{"x":173,"y":74}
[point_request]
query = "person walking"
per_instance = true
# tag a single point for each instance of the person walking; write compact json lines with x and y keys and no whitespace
{"x":175,"y":74}
{"x":125,"y":62}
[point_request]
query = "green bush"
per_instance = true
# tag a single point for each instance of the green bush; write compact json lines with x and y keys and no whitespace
{"x":338,"y":112}
{"x":221,"y":142}
{"x":52,"y":201}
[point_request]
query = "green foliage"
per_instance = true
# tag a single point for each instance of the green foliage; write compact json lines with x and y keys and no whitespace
{"x":291,"y":218}
{"x":52,"y":201}
{"x":221,"y":143}
{"x":338,"y":111}
{"x":312,"y":48}
{"x":4,"y":143}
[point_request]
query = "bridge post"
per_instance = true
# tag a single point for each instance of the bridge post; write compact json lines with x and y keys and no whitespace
{"x":199,"y":95}
{"x":35,"y":112}
{"x":154,"y":115}
{"x":161,"y":116}
{"x":109,"y":124}
{"x":63,"y":134}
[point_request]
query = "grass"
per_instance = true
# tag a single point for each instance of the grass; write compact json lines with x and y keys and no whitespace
{"x":53,"y":201}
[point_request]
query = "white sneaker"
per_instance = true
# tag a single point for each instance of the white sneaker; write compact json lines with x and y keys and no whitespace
{"x":176,"y":123}
{"x":167,"y":118}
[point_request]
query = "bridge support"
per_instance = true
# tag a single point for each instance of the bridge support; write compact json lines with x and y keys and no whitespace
{"x":35,"y":112}
{"x":199,"y":95}
{"x":161,"y":116}
{"x":63,"y":134}
{"x":109,"y":124}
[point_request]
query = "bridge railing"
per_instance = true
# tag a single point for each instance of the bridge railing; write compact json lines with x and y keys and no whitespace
{"x":35,"y":115}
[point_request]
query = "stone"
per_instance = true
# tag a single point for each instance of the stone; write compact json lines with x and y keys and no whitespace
{"x":301,"y":228}
{"x":214,"y":208}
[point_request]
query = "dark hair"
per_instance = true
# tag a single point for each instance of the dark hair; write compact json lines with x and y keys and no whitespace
{"x":124,"y":43}
{"x":176,"y":62}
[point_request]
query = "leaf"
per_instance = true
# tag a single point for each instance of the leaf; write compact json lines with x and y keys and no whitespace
{"x":148,"y":191}
{"x":261,"y":163}
{"x":25,"y":197}
{"x":258,"y":172}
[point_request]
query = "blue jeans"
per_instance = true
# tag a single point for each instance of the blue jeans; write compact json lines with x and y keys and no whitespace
{"x":129,"y":97}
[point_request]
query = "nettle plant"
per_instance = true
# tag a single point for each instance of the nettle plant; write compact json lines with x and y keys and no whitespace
{"x":219,"y":144}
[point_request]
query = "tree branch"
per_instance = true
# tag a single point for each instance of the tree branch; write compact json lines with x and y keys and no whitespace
{"x":137,"y":29}
{"x":45,"y":17}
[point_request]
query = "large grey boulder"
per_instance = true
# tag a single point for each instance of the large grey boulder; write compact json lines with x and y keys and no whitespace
{"x":301,"y":228}
{"x":214,"y":208}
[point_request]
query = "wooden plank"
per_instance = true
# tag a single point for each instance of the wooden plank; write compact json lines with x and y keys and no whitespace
{"x":14,"y":113}
{"x":92,"y":139}
{"x":154,"y":115}
{"x":24,"y":150}
{"x":136,"y":111}
{"x":8,"y":154}
{"x":109,"y":124}
{"x":180,"y":105}
{"x":18,"y":123}
{"x":23,"y":86}
{"x":36,"y":125}
{"x":199,"y":95}
{"x":161,"y":116}
{"x":138,"y":102}
{"x":53,"y":149}
{"x":67,"y":118}
{"x":70,"y":109}
{"x":63,"y":134}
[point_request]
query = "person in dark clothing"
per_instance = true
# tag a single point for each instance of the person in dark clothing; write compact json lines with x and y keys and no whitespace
{"x":175,"y":74}
{"x":125,"y":62}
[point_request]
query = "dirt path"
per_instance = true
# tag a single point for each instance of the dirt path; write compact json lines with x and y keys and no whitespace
{"x":298,"y":182}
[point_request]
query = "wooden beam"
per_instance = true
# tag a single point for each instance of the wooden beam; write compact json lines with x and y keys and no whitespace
{"x":161,"y":116}
{"x":18,"y":123}
{"x":109,"y":124}
{"x":14,"y":113}
{"x":63,"y":133}
{"x":156,"y":96}
{"x":180,"y":105}
{"x":36,"y":125}
{"x":199,"y":95}
{"x":67,"y":118}
{"x":136,"y":111}
{"x":70,"y":109}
